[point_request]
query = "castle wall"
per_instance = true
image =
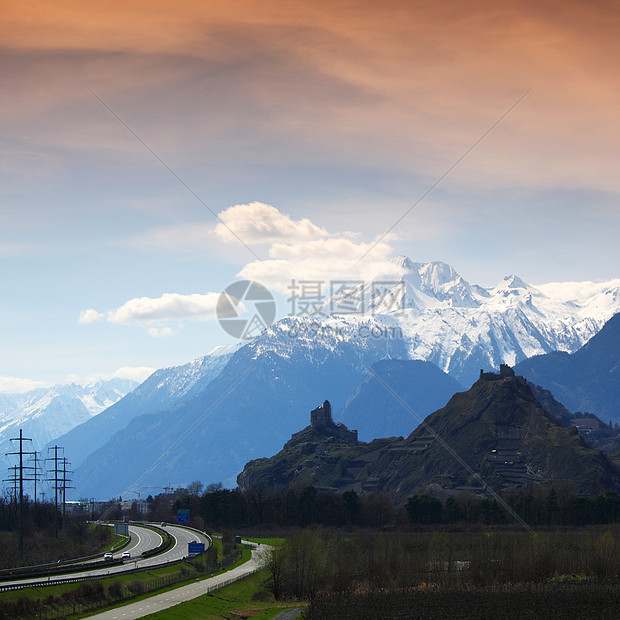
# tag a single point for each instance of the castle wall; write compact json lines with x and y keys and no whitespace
{"x":321,"y":420}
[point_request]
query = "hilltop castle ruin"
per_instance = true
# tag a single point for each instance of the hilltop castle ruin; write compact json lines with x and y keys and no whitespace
{"x":321,"y":420}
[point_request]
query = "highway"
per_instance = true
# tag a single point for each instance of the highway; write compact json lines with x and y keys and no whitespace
{"x":141,"y":539}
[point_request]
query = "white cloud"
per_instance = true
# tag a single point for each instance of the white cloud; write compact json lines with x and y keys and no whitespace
{"x":90,"y":316}
{"x":168,"y":307}
{"x":253,"y":224}
{"x":160,"y":332}
{"x":17,"y":385}
{"x":324,"y":257}
{"x":298,"y":250}
{"x":157,"y":310}
{"x":134,"y":373}
{"x":260,"y":223}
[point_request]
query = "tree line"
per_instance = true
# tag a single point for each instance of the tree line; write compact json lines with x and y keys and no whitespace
{"x":219,"y":508}
{"x":41,"y":545}
{"x":321,"y":561}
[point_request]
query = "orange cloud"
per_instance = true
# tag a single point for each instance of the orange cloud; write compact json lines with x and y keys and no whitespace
{"x":396,"y":85}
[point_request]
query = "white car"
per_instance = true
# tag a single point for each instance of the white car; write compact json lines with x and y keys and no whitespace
{"x":125,"y":555}
{"x":108,"y":556}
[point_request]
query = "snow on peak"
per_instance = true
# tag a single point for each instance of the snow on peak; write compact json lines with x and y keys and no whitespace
{"x":421,"y":286}
{"x":436,"y":275}
{"x":432,"y":275}
{"x":48,"y":414}
{"x":403,"y":262}
{"x":456,"y":324}
{"x":514,"y":282}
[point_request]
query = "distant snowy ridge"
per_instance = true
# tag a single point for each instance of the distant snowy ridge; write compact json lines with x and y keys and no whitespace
{"x":245,"y":404}
{"x":165,"y":388}
{"x":45,"y":414}
{"x":181,"y":381}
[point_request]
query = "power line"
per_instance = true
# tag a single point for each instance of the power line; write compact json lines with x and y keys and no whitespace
{"x":65,"y":486}
{"x":56,"y":480}
{"x":21,"y":466}
{"x":37,"y":472}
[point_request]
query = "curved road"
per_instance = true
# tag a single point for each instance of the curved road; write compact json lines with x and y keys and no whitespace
{"x":142,"y":539}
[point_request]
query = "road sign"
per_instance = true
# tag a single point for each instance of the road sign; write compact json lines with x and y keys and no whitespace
{"x":121,"y":528}
{"x":194,"y":548}
{"x":183,"y":516}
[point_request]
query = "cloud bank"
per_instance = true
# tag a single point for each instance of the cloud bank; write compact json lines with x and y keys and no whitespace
{"x":17,"y":385}
{"x":169,"y":307}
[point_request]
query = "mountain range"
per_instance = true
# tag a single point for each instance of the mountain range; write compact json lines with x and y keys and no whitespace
{"x":248,"y":410}
{"x":45,"y":414}
{"x":165,"y":388}
{"x":462,"y":327}
{"x":496,"y":435}
{"x":206,"y":419}
{"x":587,"y":380}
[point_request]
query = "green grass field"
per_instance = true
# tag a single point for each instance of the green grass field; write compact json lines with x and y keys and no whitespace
{"x":246,"y":598}
{"x":274,"y":542}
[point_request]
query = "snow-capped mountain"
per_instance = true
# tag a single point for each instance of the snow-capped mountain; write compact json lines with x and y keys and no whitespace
{"x":204,"y":420}
{"x":163,"y":389}
{"x":45,"y":414}
{"x":263,"y":394}
{"x":462,"y":327}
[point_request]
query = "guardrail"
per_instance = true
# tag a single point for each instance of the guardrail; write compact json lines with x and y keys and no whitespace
{"x":72,"y":566}
{"x":55,"y":582}
{"x":48,"y":581}
{"x":63,"y":609}
{"x":193,"y":529}
{"x":223,"y":584}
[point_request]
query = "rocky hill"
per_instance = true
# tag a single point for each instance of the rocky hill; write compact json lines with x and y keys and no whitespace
{"x":496,"y":434}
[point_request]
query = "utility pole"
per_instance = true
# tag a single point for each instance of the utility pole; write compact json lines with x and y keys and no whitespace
{"x":36,"y":472}
{"x":55,"y":482}
{"x":21,"y":454}
{"x":65,"y":486}
{"x":14,"y":479}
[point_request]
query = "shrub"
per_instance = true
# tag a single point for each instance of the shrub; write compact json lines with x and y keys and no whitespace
{"x":115,"y":590}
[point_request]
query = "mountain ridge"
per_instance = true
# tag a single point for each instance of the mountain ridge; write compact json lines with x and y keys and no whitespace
{"x":461,"y":327}
{"x":164,"y":388}
{"x":497,"y":429}
{"x":445,"y":328}
{"x":44,"y":414}
{"x":587,"y":380}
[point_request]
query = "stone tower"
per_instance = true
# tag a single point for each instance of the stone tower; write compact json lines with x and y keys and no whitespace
{"x":321,"y":417}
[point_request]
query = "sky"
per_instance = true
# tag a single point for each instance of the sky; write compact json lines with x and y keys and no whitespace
{"x":152,"y":153}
